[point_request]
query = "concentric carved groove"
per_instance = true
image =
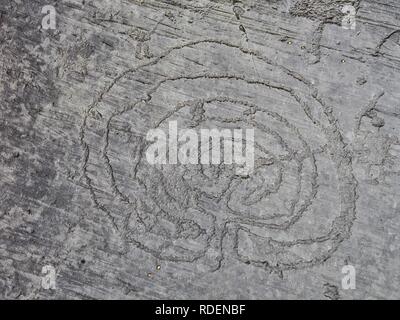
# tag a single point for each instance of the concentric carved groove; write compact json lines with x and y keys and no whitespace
{"x":173,"y":217}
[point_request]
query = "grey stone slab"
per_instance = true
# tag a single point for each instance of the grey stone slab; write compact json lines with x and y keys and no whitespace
{"x":77,"y":194}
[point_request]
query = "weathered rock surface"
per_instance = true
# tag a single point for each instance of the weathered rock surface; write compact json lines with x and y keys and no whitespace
{"x":77,"y":193}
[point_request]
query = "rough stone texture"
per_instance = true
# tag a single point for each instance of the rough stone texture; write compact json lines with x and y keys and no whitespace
{"x":78,"y":194}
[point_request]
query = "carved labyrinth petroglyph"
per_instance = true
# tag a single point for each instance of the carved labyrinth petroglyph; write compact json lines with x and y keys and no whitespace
{"x":206,"y":213}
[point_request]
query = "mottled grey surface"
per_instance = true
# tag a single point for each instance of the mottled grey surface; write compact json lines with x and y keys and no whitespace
{"x":76,"y":190}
